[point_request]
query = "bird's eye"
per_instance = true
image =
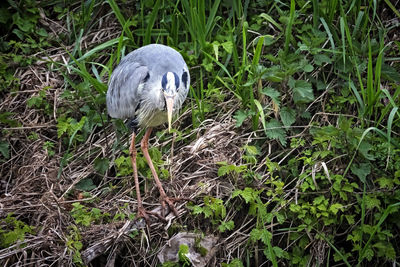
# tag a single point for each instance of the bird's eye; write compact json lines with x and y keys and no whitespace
{"x":146,"y":78}
{"x":185,"y":78}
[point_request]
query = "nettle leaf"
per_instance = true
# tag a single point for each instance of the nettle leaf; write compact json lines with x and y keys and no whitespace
{"x":276,"y":131}
{"x":85,"y":185}
{"x":274,"y":74}
{"x":224,"y":170}
{"x":288,"y":116}
{"x":101,"y":165}
{"x":390,"y":73}
{"x":361,"y":170}
{"x":364,"y":148}
{"x":273,"y":94}
{"x":4,"y":149}
{"x":240,"y":116}
{"x":319,"y":59}
{"x":302,"y":91}
{"x":228,"y":46}
{"x":251,"y":150}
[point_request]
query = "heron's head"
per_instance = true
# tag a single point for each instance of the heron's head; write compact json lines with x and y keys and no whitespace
{"x":170,"y":86}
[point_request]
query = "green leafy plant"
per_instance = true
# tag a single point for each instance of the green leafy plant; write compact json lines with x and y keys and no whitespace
{"x":49,"y":147}
{"x":13,"y":231}
{"x":215,"y":210}
{"x":74,"y":245}
{"x":83,"y":216}
{"x":182,"y":252}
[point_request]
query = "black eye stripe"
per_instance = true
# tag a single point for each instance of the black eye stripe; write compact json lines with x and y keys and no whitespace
{"x":164,"y":81}
{"x":185,"y":78}
{"x":176,"y":80}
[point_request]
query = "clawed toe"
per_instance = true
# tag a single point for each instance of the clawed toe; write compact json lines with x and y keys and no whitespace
{"x":170,"y":202}
{"x":143,"y":213}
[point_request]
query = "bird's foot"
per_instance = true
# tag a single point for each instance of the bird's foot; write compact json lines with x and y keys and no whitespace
{"x":145,"y":214}
{"x":165,"y":200}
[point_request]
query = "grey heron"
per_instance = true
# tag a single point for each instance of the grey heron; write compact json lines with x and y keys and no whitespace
{"x":148,"y":86}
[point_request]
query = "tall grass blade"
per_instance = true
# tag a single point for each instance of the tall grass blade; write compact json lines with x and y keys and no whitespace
{"x":150,"y":25}
{"x":328,"y":31}
{"x":370,"y":80}
{"x":101,"y":47}
{"x":260,"y":115}
{"x":257,"y":53}
{"x":385,"y":214}
{"x":288,"y":33}
{"x":121,"y":19}
{"x":211,"y":21}
{"x":393,"y":8}
{"x":315,"y":13}
{"x":335,"y":249}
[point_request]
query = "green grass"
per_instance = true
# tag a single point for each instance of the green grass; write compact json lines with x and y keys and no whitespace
{"x":307,"y":95}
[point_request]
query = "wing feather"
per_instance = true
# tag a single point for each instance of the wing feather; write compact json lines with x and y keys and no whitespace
{"x":124,"y":89}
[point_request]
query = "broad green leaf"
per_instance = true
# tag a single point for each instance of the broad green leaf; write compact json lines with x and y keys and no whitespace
{"x":390,"y":73}
{"x":302,"y":92}
{"x":4,"y":149}
{"x":273,"y":94}
{"x":248,"y":194}
{"x":335,"y":208}
{"x":361,"y":170}
{"x":85,"y":185}
{"x":319,"y":59}
{"x":308,"y":68}
{"x":275,"y":130}
{"x":101,"y":165}
{"x":252,"y":150}
{"x":240,"y":116}
{"x":288,"y":116}
{"x":228,"y":46}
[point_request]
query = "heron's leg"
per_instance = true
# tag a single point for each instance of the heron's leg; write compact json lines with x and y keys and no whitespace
{"x":141,"y":211}
{"x":163,"y":196}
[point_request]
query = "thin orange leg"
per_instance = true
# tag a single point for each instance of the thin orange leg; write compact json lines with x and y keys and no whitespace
{"x":141,"y":211}
{"x":163,"y":196}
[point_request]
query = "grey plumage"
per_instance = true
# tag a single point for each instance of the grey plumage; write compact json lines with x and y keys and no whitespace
{"x":135,"y":87}
{"x":148,"y":86}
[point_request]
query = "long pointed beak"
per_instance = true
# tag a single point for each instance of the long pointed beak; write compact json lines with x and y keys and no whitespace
{"x":169,"y":99}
